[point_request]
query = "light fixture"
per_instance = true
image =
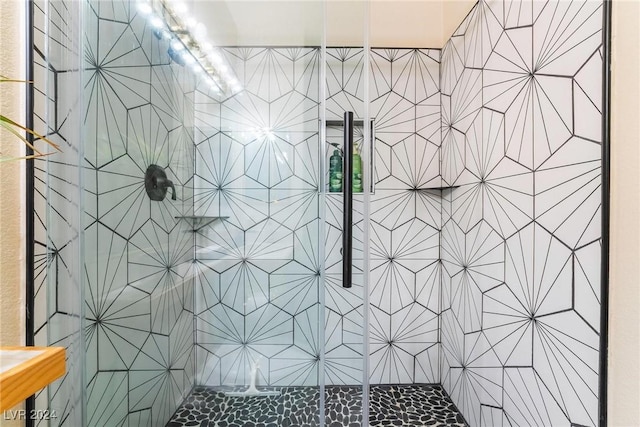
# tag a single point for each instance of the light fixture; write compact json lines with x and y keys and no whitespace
{"x":191,"y":23}
{"x":200,"y":31}
{"x":180,"y":7}
{"x":177,"y":45}
{"x":145,"y":8}
{"x":188,"y":43}
{"x":162,"y":34}
{"x":156,"y":22}
{"x":176,"y":56}
{"x":189,"y":59}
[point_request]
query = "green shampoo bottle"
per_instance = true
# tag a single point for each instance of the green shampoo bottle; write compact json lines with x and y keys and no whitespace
{"x":335,"y":172}
{"x":357,"y":173}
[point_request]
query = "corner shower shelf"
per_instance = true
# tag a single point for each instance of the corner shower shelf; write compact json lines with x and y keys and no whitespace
{"x":26,"y":370}
{"x":198,"y":222}
{"x":438,"y":188}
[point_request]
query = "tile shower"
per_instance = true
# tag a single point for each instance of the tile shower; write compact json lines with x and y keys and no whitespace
{"x":490,"y":289}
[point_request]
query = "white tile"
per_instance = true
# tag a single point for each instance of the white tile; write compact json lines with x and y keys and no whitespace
{"x":293,"y":367}
{"x":428,"y":287}
{"x":566,"y":359}
{"x":527,"y":400}
{"x":208,"y":371}
{"x":565,"y":36}
{"x":508,"y":197}
{"x":294,"y":287}
{"x":518,"y":13}
{"x":567,"y":196}
{"x":586,"y":294}
{"x":452,"y":338}
{"x":485,"y":256}
{"x":466,"y":302}
{"x":466,"y":99}
{"x":451,"y":64}
{"x":507,"y":326}
{"x":427,"y":370}
{"x":587,"y":114}
{"x":466,"y":205}
{"x":102,"y":411}
{"x":380,"y":80}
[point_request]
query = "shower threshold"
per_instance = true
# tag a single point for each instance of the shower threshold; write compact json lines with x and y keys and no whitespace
{"x":390,"y":405}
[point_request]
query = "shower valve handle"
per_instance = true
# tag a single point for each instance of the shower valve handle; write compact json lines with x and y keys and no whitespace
{"x":157,"y":183}
{"x":165,"y":183}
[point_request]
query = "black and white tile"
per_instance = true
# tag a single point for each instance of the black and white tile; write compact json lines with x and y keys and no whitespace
{"x":257,"y":164}
{"x":489,"y":289}
{"x":521,"y":112}
{"x":138,"y":305}
{"x":265,"y":257}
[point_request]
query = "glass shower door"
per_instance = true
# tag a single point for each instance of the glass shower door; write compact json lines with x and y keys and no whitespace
{"x":347,"y":142}
{"x":258,"y":174}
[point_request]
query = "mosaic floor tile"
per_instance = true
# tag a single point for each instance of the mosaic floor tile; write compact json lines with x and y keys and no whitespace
{"x":391,"y":405}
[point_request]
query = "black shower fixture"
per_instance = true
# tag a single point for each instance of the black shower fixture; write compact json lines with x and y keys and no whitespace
{"x":156,"y":184}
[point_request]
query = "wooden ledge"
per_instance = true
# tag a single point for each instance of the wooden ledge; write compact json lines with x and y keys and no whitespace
{"x":26,"y":370}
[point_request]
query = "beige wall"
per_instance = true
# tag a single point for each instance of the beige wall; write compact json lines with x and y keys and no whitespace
{"x":394,"y":23}
{"x":12,"y":241}
{"x":406,"y":24}
{"x":453,"y":13}
{"x":624,"y":287}
{"x":11,"y":224}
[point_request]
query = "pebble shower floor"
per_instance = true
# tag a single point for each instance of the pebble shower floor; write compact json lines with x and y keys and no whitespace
{"x":390,"y":405}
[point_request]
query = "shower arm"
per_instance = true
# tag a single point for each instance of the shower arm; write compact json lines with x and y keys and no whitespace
{"x":347,"y":211}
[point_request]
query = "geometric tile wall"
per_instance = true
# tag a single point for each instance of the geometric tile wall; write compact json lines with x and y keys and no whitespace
{"x":257,"y":163}
{"x":521,"y":113}
{"x":263,"y":261}
{"x":344,"y":307}
{"x":404,"y":220}
{"x":136,"y":110}
{"x":491,"y":289}
{"x":138,"y":287}
{"x":405,"y":217}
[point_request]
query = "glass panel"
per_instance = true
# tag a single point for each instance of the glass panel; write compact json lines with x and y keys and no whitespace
{"x":346,"y":314}
{"x":138,"y":118}
{"x":257,"y":167}
{"x":58,"y":219}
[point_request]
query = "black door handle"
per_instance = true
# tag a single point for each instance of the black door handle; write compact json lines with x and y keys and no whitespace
{"x":347,"y":211}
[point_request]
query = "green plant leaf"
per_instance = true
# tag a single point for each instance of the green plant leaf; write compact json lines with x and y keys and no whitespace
{"x":4,"y":79}
{"x":9,"y":124}
{"x":14,"y":128}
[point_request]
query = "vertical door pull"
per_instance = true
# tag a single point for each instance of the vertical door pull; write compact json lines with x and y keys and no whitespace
{"x":347,"y":211}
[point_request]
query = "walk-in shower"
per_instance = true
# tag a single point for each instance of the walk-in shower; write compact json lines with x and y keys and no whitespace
{"x":260,"y":217}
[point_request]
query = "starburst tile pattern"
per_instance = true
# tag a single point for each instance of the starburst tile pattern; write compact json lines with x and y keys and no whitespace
{"x":257,"y":163}
{"x":520,"y":247}
{"x":404,"y":234}
{"x":491,"y":289}
{"x":136,"y":267}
